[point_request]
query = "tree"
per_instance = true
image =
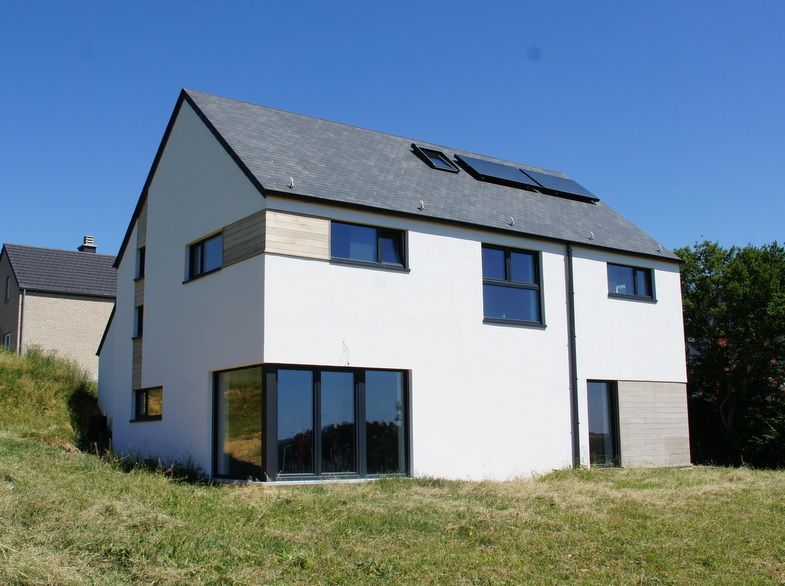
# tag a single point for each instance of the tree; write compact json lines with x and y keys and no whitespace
{"x":734,"y":317}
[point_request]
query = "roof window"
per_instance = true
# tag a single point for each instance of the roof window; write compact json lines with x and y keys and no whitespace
{"x":435,"y":159}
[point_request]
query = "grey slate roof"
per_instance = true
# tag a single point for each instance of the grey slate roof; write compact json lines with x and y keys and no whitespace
{"x":62,"y":271}
{"x":351,"y":165}
{"x":357,"y":167}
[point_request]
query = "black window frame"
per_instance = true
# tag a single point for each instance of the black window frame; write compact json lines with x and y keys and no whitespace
{"x":140,"y":262}
{"x":199,"y":247}
{"x":269,"y":463}
{"x":142,"y":398}
{"x":635,"y":270}
{"x":7,"y":341}
{"x":426,"y":155}
{"x":381,"y":232}
{"x":138,"y":321}
{"x":508,"y":282}
{"x":613,"y":404}
{"x":7,"y":295}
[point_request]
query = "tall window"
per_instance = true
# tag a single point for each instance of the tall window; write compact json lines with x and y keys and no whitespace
{"x":311,"y":422}
{"x":624,"y":281}
{"x":603,"y":424}
{"x":139,"y":322}
{"x":7,"y":341}
{"x":238,"y":424}
{"x":149,"y":403}
{"x":511,"y":285}
{"x":7,"y":295}
{"x":140,"y":254}
{"x":205,"y":256}
{"x":366,"y":244}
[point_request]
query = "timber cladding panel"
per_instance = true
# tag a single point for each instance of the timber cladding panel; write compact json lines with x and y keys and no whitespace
{"x":243,"y":239}
{"x":653,"y":424}
{"x":136,"y":372}
{"x":141,"y":227}
{"x":138,"y":292}
{"x":297,"y":235}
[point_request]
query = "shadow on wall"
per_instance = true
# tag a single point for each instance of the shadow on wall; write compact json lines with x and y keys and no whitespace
{"x":92,"y":433}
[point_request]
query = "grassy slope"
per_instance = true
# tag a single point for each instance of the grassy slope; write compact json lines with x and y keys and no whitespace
{"x":68,"y":517}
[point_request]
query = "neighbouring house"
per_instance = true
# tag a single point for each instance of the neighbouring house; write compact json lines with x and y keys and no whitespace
{"x":57,"y":300}
{"x":301,"y":299}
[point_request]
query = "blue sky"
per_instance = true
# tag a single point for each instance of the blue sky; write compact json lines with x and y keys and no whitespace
{"x":672,"y":112}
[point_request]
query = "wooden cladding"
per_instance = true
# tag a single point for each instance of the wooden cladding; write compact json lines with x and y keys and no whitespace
{"x":653,"y":424}
{"x":243,"y":239}
{"x":136,"y":370}
{"x":141,"y":227}
{"x":296,"y":235}
{"x":138,"y":292}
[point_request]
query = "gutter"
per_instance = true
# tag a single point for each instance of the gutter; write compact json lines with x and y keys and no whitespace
{"x":21,"y":319}
{"x":572,"y":352}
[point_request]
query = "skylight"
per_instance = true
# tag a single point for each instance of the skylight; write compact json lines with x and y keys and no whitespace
{"x":435,"y":159}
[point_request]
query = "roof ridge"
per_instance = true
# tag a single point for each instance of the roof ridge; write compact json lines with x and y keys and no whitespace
{"x":30,"y":247}
{"x":424,"y":143}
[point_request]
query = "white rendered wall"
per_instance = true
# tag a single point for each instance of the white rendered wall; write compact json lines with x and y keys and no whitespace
{"x":489,"y":401}
{"x":190,"y":329}
{"x":621,"y":339}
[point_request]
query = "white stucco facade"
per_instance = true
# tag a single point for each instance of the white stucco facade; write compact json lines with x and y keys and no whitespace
{"x":488,"y":401}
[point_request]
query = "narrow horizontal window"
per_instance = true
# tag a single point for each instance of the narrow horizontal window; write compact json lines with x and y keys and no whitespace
{"x":149,"y":403}
{"x":511,"y":285}
{"x":629,"y":281}
{"x":367,"y":244}
{"x":205,"y":256}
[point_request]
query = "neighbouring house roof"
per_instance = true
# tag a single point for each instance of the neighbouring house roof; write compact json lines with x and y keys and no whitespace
{"x":62,"y":271}
{"x":298,"y":156}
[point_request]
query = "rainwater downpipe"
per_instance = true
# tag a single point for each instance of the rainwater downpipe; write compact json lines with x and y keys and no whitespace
{"x":21,"y":319}
{"x":571,"y":350}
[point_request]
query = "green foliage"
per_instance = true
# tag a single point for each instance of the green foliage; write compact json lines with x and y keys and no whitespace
{"x":734,"y":314}
{"x":44,"y":396}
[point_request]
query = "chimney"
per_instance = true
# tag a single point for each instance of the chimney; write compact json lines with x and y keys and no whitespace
{"x":88,"y":245}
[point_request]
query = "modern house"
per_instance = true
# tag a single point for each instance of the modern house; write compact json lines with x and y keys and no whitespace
{"x":301,"y":299}
{"x":58,"y":300}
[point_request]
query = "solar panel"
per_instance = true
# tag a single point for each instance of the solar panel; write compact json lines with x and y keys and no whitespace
{"x":561,"y":184}
{"x":495,"y":172}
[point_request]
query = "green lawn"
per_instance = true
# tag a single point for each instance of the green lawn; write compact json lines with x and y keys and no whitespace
{"x":73,"y":517}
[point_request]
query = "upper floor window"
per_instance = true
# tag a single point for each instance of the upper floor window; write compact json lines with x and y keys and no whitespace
{"x":367,"y":244}
{"x":7,"y":288}
{"x":625,"y":281}
{"x":511,"y":285}
{"x":435,"y":159}
{"x":205,"y":256}
{"x":139,"y":322}
{"x":140,"y":254}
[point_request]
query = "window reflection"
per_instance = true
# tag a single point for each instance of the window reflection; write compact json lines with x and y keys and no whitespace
{"x":337,"y":421}
{"x":384,"y":422}
{"x":295,"y":422}
{"x":239,"y":423}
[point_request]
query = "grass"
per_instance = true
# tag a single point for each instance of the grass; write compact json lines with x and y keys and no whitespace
{"x":71,"y":517}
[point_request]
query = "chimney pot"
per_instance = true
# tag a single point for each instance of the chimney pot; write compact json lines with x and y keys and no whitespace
{"x":88,"y":245}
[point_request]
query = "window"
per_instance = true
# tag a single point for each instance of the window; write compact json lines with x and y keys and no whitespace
{"x":205,"y":256}
{"x":624,"y":281}
{"x":511,"y":286}
{"x":603,"y":424}
{"x":139,"y":322}
{"x":366,"y":244}
{"x":310,"y":422}
{"x":149,"y":404}
{"x":7,"y":341}
{"x":140,"y":254}
{"x":435,"y":159}
{"x":7,"y":288}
